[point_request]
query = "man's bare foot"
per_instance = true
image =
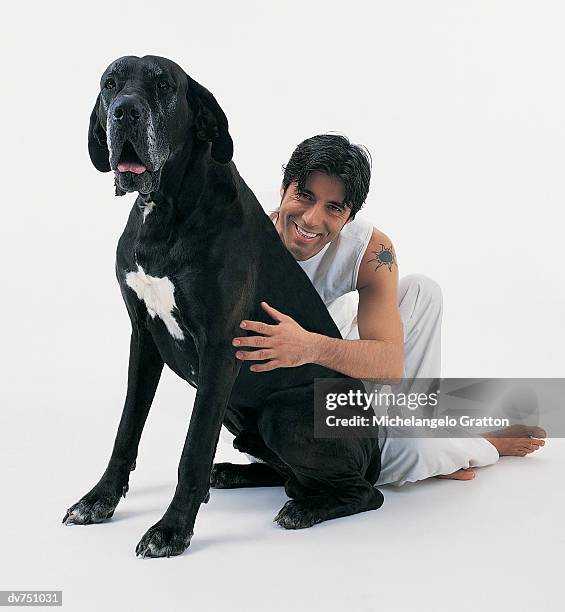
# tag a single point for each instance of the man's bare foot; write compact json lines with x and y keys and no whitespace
{"x":516,"y":440}
{"x":462,"y":474}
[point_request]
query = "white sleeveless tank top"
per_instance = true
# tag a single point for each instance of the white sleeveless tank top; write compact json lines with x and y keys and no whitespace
{"x":334,"y":270}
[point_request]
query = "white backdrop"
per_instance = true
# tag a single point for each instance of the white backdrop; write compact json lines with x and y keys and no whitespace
{"x":459,"y":102}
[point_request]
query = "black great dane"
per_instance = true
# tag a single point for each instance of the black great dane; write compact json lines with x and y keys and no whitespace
{"x":197,"y":256}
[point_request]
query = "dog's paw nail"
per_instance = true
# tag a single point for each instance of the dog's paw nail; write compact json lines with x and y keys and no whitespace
{"x":163,"y":540}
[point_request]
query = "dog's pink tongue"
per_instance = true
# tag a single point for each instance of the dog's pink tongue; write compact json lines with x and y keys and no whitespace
{"x":131,"y":167}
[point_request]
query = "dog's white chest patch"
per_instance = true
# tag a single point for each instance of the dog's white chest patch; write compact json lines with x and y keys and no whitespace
{"x":159,"y":297}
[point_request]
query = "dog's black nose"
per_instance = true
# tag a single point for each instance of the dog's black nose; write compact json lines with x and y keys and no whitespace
{"x":126,"y":107}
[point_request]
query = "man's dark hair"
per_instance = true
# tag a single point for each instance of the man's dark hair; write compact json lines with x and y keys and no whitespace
{"x":335,"y":156}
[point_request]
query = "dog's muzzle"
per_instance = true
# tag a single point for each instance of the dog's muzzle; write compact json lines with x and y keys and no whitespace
{"x":133,"y":171}
{"x":136,"y":156}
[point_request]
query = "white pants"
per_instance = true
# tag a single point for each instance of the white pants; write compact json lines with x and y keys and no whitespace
{"x":412,"y":459}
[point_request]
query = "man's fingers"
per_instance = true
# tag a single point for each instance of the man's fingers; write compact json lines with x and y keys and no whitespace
{"x":265,"y":367}
{"x":273,"y":312}
{"x":255,"y":355}
{"x":261,"y":341}
{"x":257,"y":326}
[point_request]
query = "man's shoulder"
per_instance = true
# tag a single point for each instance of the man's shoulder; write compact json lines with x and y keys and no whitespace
{"x":371,"y":236}
{"x":379,"y":256}
{"x":378,"y":237}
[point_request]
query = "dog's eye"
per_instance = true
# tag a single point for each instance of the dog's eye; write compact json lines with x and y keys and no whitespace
{"x":163,"y":85}
{"x":110,"y":84}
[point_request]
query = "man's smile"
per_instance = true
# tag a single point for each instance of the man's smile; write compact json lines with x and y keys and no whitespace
{"x":303,"y":235}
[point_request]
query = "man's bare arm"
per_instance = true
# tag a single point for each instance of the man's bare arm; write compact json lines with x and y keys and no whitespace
{"x":379,"y":352}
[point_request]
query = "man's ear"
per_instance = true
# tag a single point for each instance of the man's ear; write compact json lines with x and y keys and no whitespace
{"x":281,"y":191}
{"x":97,"y":144}
{"x":210,"y":121}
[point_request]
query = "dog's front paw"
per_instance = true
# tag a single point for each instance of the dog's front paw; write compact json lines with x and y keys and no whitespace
{"x":95,"y":507}
{"x":299,"y":514}
{"x":164,"y":539}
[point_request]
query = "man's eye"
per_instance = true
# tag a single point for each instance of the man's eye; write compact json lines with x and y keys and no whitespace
{"x":336,"y":208}
{"x":306,"y":196}
{"x":109,"y":84}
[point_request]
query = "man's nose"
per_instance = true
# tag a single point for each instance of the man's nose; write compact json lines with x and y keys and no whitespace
{"x":312,"y":216}
{"x":126,"y":109}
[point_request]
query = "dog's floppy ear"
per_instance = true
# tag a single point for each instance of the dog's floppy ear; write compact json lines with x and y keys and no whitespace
{"x":97,"y":144}
{"x":211,"y":124}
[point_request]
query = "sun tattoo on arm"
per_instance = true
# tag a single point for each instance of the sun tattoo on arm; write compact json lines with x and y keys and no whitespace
{"x":384,"y":257}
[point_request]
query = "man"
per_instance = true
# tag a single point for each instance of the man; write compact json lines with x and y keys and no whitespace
{"x":395,"y":329}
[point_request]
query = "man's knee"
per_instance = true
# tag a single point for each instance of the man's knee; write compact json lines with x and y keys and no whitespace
{"x":422,"y":292}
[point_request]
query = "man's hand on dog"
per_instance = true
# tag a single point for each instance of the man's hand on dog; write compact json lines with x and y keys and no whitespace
{"x":284,"y":345}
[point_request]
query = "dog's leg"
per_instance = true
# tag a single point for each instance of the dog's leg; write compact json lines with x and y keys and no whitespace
{"x":236,"y":476}
{"x":145,"y":367}
{"x":172,"y":534}
{"x":352,"y":495}
{"x":328,"y":475}
{"x":271,"y":472}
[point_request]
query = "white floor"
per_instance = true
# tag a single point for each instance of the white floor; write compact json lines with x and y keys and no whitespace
{"x":491,"y":544}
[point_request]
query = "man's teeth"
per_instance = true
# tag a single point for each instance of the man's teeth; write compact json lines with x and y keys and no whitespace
{"x":305,"y":234}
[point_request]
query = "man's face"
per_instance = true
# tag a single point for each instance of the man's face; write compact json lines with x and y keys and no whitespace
{"x":318,"y":210}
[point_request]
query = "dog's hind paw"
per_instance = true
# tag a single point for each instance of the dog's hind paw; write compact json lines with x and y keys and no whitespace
{"x":223,"y":476}
{"x":307,"y":511}
{"x":299,"y":514}
{"x":163,"y":540}
{"x":235,"y":476}
{"x":92,"y":508}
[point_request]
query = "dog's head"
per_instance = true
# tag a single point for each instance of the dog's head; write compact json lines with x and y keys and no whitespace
{"x":146,"y":111}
